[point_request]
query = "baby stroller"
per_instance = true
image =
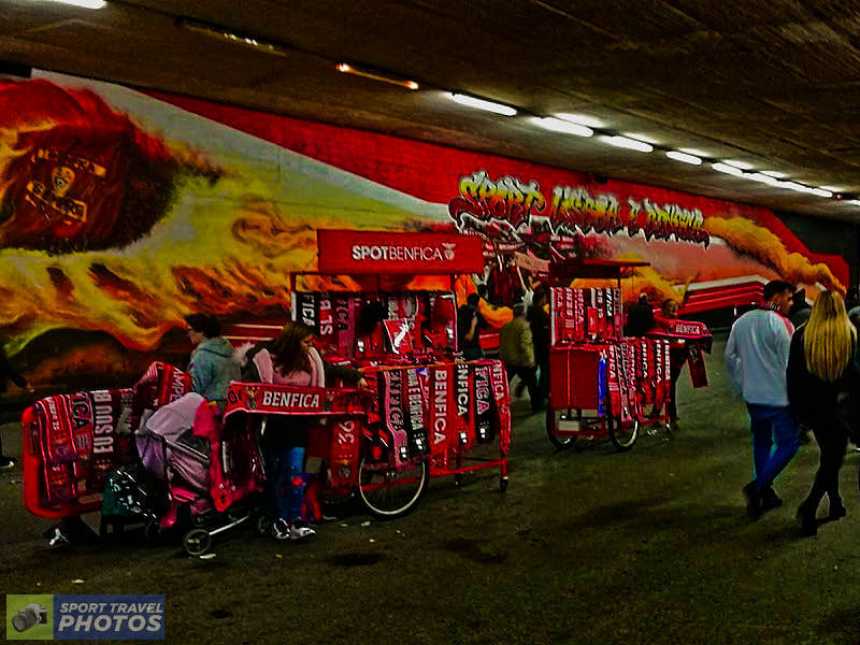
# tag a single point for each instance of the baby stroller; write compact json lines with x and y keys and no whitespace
{"x":213,"y":472}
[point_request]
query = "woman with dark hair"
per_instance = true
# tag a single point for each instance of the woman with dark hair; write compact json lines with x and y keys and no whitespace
{"x":291,"y":359}
{"x":212,"y":366}
{"x":822,"y":364}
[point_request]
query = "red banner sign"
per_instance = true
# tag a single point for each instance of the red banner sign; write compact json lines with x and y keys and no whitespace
{"x":363,"y":252}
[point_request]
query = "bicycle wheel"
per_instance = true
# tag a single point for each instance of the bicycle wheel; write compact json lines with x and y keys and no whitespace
{"x":553,"y":422}
{"x":388,"y":493}
{"x":622,"y":435}
{"x":197,"y":542}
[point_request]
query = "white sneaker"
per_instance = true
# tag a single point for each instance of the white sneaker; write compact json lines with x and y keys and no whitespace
{"x":280,"y":529}
{"x":58,"y":539}
{"x":301,"y":532}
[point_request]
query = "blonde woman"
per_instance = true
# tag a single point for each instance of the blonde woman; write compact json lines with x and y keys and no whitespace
{"x":822,"y":363}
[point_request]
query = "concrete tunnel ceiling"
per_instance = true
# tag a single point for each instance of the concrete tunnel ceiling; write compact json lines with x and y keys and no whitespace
{"x":773,"y":85}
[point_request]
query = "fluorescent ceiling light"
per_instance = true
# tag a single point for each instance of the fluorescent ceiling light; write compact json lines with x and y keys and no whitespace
{"x":244,"y":40}
{"x":85,"y":4}
{"x":641,"y":137}
{"x":832,"y":189}
{"x":630,"y":144}
{"x":482,"y":104}
{"x":792,"y":185}
{"x":557,"y":125}
{"x":763,"y":178}
{"x":853,"y":202}
{"x":774,"y":173}
{"x":729,"y":170}
{"x":743,"y":165}
{"x":800,"y":188}
{"x":695,"y":152}
{"x":683,"y":157}
{"x":346,"y":68}
{"x":581,"y":119}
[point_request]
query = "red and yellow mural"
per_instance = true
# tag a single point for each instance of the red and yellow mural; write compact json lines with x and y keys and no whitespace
{"x":122,"y":211}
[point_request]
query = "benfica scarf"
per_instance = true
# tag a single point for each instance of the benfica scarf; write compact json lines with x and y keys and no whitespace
{"x":442,"y":413}
{"x":465,"y":421}
{"x":577,"y":315}
{"x":484,"y":404}
{"x":80,"y":438}
{"x":160,"y":384}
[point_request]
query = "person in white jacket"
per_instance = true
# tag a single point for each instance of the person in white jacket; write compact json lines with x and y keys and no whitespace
{"x":757,"y":359}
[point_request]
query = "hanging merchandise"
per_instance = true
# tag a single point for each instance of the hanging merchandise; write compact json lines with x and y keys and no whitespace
{"x":578,"y":315}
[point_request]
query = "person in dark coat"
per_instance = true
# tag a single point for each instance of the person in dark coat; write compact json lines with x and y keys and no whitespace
{"x":539,"y":322}
{"x":822,"y":363}
{"x":469,"y":324}
{"x":9,"y":373}
{"x":640,"y":317}
{"x":800,"y":309}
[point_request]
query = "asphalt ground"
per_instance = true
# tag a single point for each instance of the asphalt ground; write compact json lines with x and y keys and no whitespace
{"x":647,"y":546}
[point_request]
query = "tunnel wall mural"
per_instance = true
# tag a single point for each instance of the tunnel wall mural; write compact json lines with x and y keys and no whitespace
{"x":122,"y":211}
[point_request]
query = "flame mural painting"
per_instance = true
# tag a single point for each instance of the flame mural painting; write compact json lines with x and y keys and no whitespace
{"x":122,"y":211}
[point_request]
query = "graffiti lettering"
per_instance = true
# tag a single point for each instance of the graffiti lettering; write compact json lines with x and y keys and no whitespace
{"x":508,"y":208}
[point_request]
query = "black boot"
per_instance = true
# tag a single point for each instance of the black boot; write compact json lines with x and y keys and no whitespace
{"x":753,"y":497}
{"x":769,"y":500}
{"x":806,"y":520}
{"x":837,"y":509}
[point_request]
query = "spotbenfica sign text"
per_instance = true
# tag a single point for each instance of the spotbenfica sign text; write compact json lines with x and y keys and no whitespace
{"x":362,"y":252}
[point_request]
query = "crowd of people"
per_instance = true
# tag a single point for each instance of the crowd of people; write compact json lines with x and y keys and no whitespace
{"x":789,"y":378}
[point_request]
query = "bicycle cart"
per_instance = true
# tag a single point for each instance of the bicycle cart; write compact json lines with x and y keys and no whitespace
{"x":601,"y":384}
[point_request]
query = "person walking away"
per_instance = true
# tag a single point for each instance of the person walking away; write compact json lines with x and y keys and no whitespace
{"x":9,"y":373}
{"x":291,"y":359}
{"x":678,"y":354}
{"x":539,"y":323}
{"x":468,"y":328}
{"x":757,"y":358}
{"x":518,"y":353}
{"x":800,"y":309}
{"x":212,"y":365}
{"x":822,"y":364}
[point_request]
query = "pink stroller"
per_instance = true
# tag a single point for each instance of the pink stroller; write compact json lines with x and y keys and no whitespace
{"x":213,"y":471}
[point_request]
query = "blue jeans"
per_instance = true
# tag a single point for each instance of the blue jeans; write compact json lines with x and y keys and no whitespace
{"x":775,"y":441}
{"x":286,"y":474}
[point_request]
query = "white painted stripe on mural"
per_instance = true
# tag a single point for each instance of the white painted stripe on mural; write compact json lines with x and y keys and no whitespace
{"x":726,"y":282}
{"x":180,"y":124}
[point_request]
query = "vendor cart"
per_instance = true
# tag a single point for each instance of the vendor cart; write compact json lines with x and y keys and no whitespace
{"x":601,"y":384}
{"x":452,"y":407}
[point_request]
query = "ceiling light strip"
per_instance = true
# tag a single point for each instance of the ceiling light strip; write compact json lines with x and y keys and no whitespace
{"x":482,"y":104}
{"x":226,"y":35}
{"x":684,"y":157}
{"x":628,"y":143}
{"x":346,"y":68}
{"x":567,"y":127}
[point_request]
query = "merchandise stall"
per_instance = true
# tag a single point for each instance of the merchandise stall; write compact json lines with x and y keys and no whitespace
{"x":601,"y":384}
{"x":428,"y":405}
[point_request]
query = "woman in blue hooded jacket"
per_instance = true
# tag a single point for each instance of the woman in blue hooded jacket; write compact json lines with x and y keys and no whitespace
{"x":212,"y":364}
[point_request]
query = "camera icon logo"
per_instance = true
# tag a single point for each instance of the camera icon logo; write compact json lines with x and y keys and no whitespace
{"x":30,"y":616}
